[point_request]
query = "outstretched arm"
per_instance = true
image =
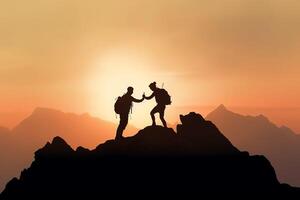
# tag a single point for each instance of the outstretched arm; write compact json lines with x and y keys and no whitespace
{"x":150,"y":97}
{"x":137,"y":100}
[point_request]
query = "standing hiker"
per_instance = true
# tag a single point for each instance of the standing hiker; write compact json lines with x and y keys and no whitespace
{"x":123,"y":106}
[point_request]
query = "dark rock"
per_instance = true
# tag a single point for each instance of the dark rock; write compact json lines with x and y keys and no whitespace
{"x":58,"y":147}
{"x":196,"y":162}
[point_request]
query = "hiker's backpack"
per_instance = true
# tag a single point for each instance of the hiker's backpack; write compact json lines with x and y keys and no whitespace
{"x":163,"y":97}
{"x":122,"y":105}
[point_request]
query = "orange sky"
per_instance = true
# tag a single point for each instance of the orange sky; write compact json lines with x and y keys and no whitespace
{"x":80,"y":55}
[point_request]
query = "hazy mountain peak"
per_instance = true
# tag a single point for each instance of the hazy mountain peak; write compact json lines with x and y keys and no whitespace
{"x":222,"y":112}
{"x":221,"y":108}
{"x":262,"y":117}
{"x":43,"y":111}
{"x":50,"y":112}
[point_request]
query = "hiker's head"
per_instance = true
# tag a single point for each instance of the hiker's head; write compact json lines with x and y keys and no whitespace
{"x":152,"y":86}
{"x":130,"y":90}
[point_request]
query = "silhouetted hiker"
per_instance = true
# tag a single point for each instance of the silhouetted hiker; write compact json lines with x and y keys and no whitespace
{"x":123,"y":106}
{"x":162,"y":99}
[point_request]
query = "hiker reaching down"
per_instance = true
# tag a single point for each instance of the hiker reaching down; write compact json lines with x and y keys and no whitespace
{"x":162,"y":99}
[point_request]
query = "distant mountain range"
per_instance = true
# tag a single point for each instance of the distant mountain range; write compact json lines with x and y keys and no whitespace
{"x":18,"y":145}
{"x":197,"y":161}
{"x":258,"y":135}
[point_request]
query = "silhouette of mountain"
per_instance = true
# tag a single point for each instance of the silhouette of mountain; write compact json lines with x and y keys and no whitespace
{"x":258,"y":135}
{"x":18,"y":145}
{"x":46,"y":123}
{"x":195,"y":162}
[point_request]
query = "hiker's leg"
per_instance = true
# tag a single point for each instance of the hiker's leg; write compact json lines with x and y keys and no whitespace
{"x":152,"y":113}
{"x":162,"y":115}
{"x":119,"y":131}
{"x":153,"y":117}
{"x":125,"y":121}
{"x":122,"y":125}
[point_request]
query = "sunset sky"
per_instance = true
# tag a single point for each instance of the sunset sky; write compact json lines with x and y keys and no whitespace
{"x":78,"y":56}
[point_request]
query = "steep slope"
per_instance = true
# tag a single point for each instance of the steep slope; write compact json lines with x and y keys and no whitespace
{"x":195,"y":162}
{"x":5,"y":157}
{"x":17,"y":147}
{"x":258,"y":135}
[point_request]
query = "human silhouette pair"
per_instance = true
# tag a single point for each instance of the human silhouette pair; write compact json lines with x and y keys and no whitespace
{"x":123,"y":106}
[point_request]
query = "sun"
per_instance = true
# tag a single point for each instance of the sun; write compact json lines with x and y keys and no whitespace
{"x":112,"y":75}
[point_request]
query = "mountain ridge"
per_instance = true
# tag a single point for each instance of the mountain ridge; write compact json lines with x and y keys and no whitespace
{"x":196,"y":160}
{"x":258,"y":135}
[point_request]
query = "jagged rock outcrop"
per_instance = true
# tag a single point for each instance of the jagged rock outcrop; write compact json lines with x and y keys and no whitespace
{"x":195,"y":162}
